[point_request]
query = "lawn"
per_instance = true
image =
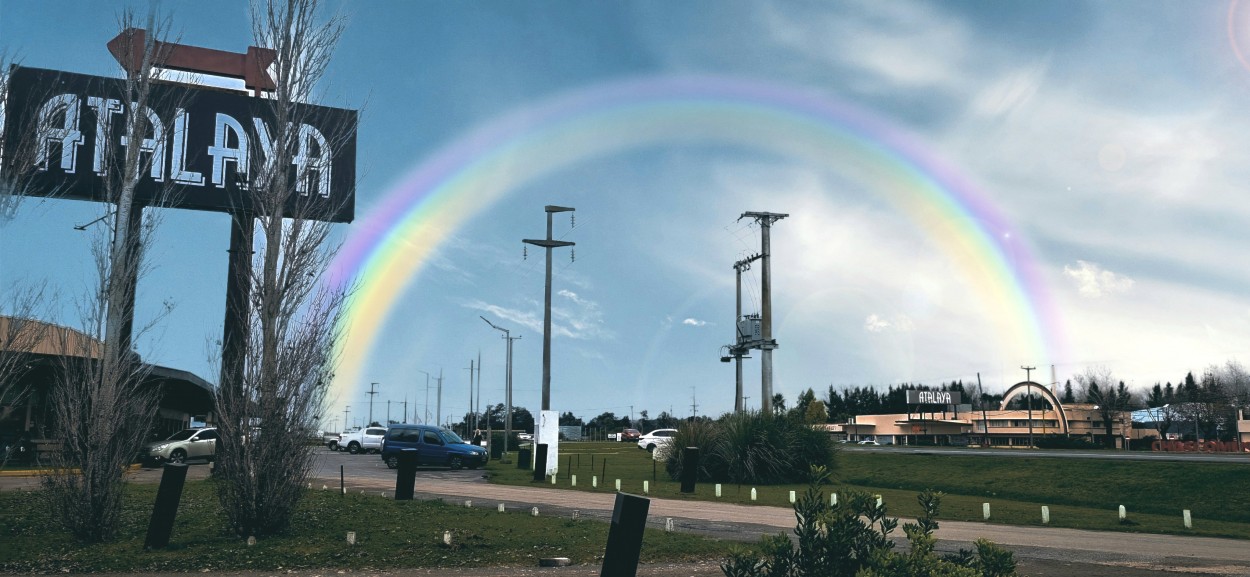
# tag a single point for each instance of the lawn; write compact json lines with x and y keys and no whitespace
{"x":1081,"y":493}
{"x":389,"y":534}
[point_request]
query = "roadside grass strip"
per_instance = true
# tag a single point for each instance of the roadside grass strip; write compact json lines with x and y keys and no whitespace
{"x":1079,"y":493}
{"x":387,"y":534}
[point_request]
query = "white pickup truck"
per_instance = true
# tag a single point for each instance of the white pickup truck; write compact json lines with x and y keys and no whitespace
{"x":362,"y":441}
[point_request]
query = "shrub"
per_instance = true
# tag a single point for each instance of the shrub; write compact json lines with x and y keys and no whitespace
{"x":752,"y":448}
{"x":853,"y":539}
{"x":1065,"y":442}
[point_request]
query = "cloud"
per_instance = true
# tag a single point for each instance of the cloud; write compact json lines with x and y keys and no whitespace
{"x":582,"y":320}
{"x":1093,"y":281}
{"x":694,"y":322}
{"x":878,"y":324}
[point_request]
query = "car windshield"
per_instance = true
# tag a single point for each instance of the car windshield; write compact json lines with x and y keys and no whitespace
{"x":451,"y":437}
{"x":182,"y":435}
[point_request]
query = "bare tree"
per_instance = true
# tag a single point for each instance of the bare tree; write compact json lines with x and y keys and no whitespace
{"x":266,"y":419}
{"x":102,"y":402}
{"x":20,"y":336}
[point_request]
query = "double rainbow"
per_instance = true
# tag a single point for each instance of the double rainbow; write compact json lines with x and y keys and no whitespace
{"x":388,"y":248}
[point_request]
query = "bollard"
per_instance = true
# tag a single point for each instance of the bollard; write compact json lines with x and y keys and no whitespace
{"x":501,"y":508}
{"x":985,"y":511}
{"x":879,"y":500}
{"x":833,"y":499}
{"x":576,"y":514}
{"x":468,"y":504}
{"x":165,"y":508}
{"x":1123,"y":513}
{"x":594,"y":481}
{"x":553,"y":479}
{"x":1045,"y":515}
{"x":447,"y":537}
{"x":646,"y":487}
{"x":718,"y":489}
{"x":629,"y":519}
{"x":572,"y":480}
{"x":1189,"y":520}
{"x":668,"y":524}
{"x":540,"y":463}
{"x":618,"y":484}
{"x":325,"y":488}
{"x":351,"y":537}
{"x":753,"y":495}
{"x":406,"y":478}
{"x":689,"y":469}
{"x":534,"y":512}
{"x":792,"y":496}
{"x":342,"y":484}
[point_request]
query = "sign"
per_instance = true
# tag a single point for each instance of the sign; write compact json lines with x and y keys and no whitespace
{"x":933,"y":397}
{"x":200,"y":147}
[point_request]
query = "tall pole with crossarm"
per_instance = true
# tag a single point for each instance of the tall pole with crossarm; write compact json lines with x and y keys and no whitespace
{"x":766,"y":220}
{"x":548,"y":244}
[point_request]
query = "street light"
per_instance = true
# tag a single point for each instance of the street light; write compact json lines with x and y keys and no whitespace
{"x":508,"y":383}
{"x":425,"y":419}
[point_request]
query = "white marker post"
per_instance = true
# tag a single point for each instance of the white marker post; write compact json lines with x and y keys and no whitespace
{"x":646,"y":487}
{"x":1123,"y":513}
{"x":753,"y":495}
{"x":985,"y":511}
{"x":718,"y":489}
{"x":1045,"y":515}
{"x":792,"y":497}
{"x":1189,"y":520}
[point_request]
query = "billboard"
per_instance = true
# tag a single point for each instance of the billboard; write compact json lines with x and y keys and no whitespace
{"x":201,"y":144}
{"x":933,"y":397}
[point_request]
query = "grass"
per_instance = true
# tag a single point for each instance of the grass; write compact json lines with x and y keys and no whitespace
{"x":1081,"y":493}
{"x":390,"y":534}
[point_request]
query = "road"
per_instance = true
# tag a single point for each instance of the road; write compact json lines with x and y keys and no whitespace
{"x":1234,"y":458}
{"x":1042,"y":552}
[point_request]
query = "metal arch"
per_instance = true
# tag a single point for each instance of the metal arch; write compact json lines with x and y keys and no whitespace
{"x":1017,"y":388}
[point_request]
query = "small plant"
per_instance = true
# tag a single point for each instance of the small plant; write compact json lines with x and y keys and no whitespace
{"x":752,"y":448}
{"x":853,"y":539}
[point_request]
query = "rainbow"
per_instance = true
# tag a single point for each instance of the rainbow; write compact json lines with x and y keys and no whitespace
{"x":388,"y":248}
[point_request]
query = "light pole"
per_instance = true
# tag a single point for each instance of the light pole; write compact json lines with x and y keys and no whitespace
{"x":425,"y":419}
{"x":507,"y":384}
{"x":1028,"y":387}
{"x":346,"y":423}
{"x":371,"y":393}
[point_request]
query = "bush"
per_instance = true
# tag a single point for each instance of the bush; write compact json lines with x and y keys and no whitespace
{"x":853,"y":539}
{"x":752,"y":448}
{"x":1064,"y":442}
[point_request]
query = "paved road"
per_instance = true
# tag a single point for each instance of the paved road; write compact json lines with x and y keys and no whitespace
{"x":1042,"y":552}
{"x":1233,"y":458}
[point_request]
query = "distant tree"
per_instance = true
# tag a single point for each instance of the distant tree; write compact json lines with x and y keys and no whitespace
{"x":805,"y":398}
{"x":1111,"y":401}
{"x":605,"y":421}
{"x":568,"y":419}
{"x":815,"y":413}
{"x":779,"y":404}
{"x":1068,"y":396}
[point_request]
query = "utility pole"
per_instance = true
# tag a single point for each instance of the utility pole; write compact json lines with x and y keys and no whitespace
{"x":739,"y":349}
{"x":1028,"y":388}
{"x":346,"y":423}
{"x":507,"y":384}
{"x":371,"y":393}
{"x":439,"y":414}
{"x":425,"y":418}
{"x":467,"y":421}
{"x":549,"y":244}
{"x":766,"y":220}
{"x":414,"y":409}
{"x":694,"y":404}
{"x":388,"y":412}
{"x":477,"y":408}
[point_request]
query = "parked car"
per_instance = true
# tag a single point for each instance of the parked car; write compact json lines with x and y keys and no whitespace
{"x":656,"y":439}
{"x":183,"y":445}
{"x":869,"y":442}
{"x":331,"y":440}
{"x":524,"y":437}
{"x":365,"y":440}
{"x":630,"y":435}
{"x":434,"y":445}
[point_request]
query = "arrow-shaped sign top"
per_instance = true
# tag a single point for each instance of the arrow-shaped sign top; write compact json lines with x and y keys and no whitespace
{"x":252,"y":67}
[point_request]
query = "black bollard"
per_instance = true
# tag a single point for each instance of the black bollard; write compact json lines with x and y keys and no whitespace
{"x":406,"y":478}
{"x":689,"y":469}
{"x":540,"y":463}
{"x":629,"y":519}
{"x":523,"y":458}
{"x":166,"y":506}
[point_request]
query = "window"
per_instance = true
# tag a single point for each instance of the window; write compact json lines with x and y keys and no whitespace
{"x":432,"y":438}
{"x":207,"y":435}
{"x":375,"y":431}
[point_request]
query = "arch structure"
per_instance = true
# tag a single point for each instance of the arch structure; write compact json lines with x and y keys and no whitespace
{"x":1024,"y":388}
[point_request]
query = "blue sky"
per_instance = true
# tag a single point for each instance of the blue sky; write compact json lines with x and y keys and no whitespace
{"x":1112,"y":136}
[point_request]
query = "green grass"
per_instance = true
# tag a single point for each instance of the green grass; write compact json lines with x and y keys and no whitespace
{"x":390,"y":534}
{"x":1081,"y":493}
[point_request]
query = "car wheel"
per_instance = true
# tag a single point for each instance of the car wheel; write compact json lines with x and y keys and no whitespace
{"x":392,"y":462}
{"x":651,"y":448}
{"x":178,"y":456}
{"x":454,"y":462}
{"x":353,"y":448}
{"x":333,"y":445}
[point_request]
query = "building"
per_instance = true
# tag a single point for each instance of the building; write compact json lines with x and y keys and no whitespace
{"x":37,"y":354}
{"x":955,"y":424}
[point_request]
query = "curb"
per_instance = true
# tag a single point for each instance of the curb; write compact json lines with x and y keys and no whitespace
{"x":38,"y":472}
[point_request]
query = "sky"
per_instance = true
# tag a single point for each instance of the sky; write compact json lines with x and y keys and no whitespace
{"x":971,"y":187}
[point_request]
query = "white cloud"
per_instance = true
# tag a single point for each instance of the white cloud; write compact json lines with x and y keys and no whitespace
{"x":898,"y":323}
{"x":875,"y":324}
{"x":1093,"y":281}
{"x":582,"y":320}
{"x":694,"y":322}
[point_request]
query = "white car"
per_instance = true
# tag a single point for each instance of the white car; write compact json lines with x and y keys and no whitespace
{"x":183,"y":445}
{"x":370,"y":439}
{"x":869,"y":442}
{"x":656,"y":439}
{"x":524,"y":437}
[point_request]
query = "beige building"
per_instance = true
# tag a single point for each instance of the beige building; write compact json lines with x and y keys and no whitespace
{"x":944,"y":424}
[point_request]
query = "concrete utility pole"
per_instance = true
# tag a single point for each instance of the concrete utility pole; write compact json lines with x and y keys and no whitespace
{"x":507,"y":427}
{"x":346,"y":423}
{"x":439,"y":414}
{"x":468,"y":422}
{"x":766,"y":220}
{"x":549,"y":244}
{"x":1028,"y":389}
{"x":425,"y":418}
{"x":371,"y":393}
{"x":739,"y":350}
{"x":477,"y":408}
